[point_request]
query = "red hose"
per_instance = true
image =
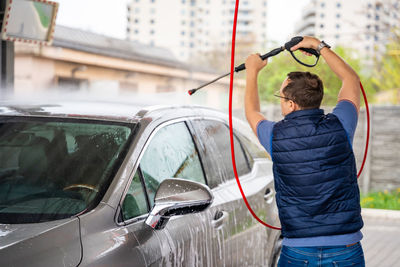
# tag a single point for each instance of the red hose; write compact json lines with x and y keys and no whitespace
{"x":231,"y":128}
{"x":230,"y":121}
{"x":368,"y":129}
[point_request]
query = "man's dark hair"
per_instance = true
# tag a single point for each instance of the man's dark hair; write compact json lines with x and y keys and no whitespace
{"x":305,"y":89}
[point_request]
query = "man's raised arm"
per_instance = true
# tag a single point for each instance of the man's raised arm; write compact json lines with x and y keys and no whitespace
{"x":350,"y":81}
{"x":251,"y":100}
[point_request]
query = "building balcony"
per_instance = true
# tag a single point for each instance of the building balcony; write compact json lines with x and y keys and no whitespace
{"x":303,"y":24}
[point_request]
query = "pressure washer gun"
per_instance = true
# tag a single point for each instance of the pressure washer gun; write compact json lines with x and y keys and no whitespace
{"x":294,"y":41}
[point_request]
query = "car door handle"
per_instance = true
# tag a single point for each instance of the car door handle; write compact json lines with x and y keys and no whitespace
{"x":219,"y":219}
{"x":269,"y":195}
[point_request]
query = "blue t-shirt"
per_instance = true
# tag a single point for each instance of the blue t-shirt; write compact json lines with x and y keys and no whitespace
{"x":346,"y":112}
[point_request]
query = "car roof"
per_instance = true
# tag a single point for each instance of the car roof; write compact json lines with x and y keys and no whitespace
{"x":95,"y":110}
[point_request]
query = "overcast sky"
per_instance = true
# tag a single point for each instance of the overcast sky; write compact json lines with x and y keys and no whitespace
{"x":108,"y":17}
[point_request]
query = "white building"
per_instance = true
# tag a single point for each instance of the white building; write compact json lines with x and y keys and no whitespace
{"x":187,"y":27}
{"x":360,"y":24}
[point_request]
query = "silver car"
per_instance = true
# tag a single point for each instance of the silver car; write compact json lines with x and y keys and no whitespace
{"x":104,"y":184}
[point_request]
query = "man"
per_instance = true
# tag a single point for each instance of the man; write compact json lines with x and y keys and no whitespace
{"x":314,"y":166}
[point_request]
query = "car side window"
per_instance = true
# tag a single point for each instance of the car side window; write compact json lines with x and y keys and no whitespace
{"x":214,"y":136}
{"x":135,"y":200}
{"x":171,"y":153}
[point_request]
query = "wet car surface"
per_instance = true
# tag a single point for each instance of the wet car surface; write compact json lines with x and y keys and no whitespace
{"x":78,"y":181}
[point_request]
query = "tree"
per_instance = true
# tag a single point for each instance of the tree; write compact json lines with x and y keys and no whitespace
{"x":271,"y":77}
{"x":386,"y":74}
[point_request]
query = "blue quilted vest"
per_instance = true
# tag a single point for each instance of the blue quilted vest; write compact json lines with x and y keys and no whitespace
{"x":315,"y":176}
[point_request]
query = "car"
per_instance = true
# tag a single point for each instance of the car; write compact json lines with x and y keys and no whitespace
{"x":126,"y":184}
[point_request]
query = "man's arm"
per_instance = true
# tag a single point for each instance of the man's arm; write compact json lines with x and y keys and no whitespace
{"x":251,"y":100}
{"x":350,"y":81}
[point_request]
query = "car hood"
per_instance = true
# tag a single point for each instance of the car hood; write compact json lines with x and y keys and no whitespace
{"x":55,"y":243}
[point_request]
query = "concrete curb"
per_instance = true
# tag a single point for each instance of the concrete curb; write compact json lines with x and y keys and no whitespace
{"x":379,"y":213}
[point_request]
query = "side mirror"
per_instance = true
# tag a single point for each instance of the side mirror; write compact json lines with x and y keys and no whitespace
{"x":178,"y":197}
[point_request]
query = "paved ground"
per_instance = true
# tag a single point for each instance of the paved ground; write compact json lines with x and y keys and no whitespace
{"x":381,"y":241}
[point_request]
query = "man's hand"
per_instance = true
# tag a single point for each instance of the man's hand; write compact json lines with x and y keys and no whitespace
{"x":254,"y":63}
{"x":307,"y":42}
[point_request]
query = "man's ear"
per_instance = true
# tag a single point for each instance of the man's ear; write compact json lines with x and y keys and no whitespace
{"x":293,"y":106}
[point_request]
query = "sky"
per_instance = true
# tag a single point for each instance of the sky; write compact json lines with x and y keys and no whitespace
{"x":108,"y":17}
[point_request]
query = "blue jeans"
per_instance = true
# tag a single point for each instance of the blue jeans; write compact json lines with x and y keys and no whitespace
{"x":333,"y":256}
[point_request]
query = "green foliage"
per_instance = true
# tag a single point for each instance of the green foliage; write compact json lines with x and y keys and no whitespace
{"x":382,"y":200}
{"x":272,"y":76}
{"x":386,"y":76}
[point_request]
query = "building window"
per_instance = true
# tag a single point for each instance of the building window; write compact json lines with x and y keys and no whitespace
{"x":151,"y":43}
{"x":136,"y":21}
{"x":377,"y":28}
{"x":136,"y":31}
{"x":337,"y":26}
{"x":153,"y":1}
{"x":321,"y":26}
{"x":337,"y":15}
{"x":377,"y":17}
{"x":337,"y":36}
{"x":182,"y":32}
{"x":369,"y":5}
{"x":338,"y":5}
{"x":152,"y":10}
{"x":376,"y":38}
{"x":152,"y":32}
{"x":182,"y":43}
{"x":152,"y":21}
{"x":367,"y":36}
{"x":367,"y":48}
{"x":322,"y":4}
{"x":183,"y":1}
{"x":322,"y":15}
{"x":191,"y":45}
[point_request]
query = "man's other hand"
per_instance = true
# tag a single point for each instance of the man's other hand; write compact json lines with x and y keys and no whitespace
{"x":254,"y":63}
{"x":307,"y":42}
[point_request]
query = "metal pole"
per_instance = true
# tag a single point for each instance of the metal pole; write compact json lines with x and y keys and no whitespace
{"x":6,"y":60}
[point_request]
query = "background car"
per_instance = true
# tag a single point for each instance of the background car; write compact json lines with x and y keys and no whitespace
{"x":78,"y":180}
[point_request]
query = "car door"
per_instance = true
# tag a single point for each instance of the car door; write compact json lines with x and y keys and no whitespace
{"x":153,"y":245}
{"x":171,"y":153}
{"x":245,"y":240}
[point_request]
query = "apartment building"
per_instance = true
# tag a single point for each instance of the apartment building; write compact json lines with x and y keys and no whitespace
{"x":187,"y":27}
{"x":360,"y":24}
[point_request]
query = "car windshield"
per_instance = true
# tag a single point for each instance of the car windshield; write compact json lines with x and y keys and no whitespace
{"x":53,"y":169}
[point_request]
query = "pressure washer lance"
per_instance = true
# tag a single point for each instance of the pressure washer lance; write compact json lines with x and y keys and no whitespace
{"x":294,"y":41}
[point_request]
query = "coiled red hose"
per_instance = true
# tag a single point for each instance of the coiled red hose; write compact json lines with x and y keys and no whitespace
{"x":231,"y":128}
